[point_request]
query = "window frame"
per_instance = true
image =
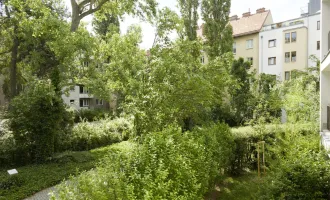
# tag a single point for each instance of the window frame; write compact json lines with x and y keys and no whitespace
{"x":99,"y":102}
{"x":269,"y":59}
{"x":293,"y":57}
{"x":292,"y":37}
{"x":86,"y":102}
{"x":289,"y":38}
{"x":269,"y":42}
{"x":234,"y":48}
{"x":247,"y":44}
{"x":202,"y":60}
{"x":287,"y":59}
{"x":285,"y":77}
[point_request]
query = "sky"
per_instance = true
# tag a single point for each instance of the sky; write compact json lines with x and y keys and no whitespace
{"x":281,"y":10}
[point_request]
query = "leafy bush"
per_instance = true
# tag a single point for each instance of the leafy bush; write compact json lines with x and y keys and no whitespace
{"x":7,"y":144}
{"x":90,"y":135}
{"x":302,"y":171}
{"x":167,"y":165}
{"x":89,"y":115}
{"x":37,"y":118}
{"x":245,"y":155}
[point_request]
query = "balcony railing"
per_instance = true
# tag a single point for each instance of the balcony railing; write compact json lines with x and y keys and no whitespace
{"x":282,"y":25}
{"x":326,"y":56}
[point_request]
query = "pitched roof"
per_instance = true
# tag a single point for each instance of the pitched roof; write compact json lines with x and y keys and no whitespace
{"x":250,"y":24}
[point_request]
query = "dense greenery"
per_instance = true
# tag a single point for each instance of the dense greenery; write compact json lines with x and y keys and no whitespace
{"x":34,"y":178}
{"x":172,"y":101}
{"x":167,"y":165}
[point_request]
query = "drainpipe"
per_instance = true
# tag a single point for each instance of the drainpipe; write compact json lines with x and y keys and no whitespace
{"x":261,"y":56}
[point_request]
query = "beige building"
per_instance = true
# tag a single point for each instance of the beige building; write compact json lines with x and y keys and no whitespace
{"x":246,"y":35}
{"x":295,"y":48}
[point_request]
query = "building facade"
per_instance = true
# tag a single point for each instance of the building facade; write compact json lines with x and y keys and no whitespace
{"x":79,"y":98}
{"x":325,"y":68}
{"x":287,"y":46}
{"x":246,"y":35}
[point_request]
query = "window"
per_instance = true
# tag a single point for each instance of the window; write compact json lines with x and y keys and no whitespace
{"x":71,"y":101}
{"x":234,"y":47}
{"x":293,"y":37}
{"x":318,"y":25}
{"x":287,"y":38}
{"x":287,"y":76}
{"x":250,"y":60}
{"x":202,"y":59}
{"x":287,"y":57}
{"x":318,"y":45}
{"x":249,"y":44}
{"x":293,"y":56}
{"x":99,"y":102}
{"x":85,"y":63}
{"x":84,"y":102}
{"x":83,"y":90}
{"x":271,"y":43}
{"x":272,"y":61}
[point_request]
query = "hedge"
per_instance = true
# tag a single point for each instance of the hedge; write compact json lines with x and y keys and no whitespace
{"x":166,"y":165}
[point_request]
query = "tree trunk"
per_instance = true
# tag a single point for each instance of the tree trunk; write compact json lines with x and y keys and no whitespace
{"x":75,"y":16}
{"x":13,"y":66}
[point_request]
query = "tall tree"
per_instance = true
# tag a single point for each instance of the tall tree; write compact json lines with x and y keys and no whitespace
{"x":189,"y":13}
{"x":217,"y":30}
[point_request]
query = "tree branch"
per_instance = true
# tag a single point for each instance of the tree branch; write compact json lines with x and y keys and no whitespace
{"x":83,"y":3}
{"x":91,"y":11}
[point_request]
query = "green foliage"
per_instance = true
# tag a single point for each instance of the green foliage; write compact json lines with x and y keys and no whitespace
{"x":167,"y":165}
{"x":91,"y":135}
{"x":301,"y":99}
{"x":189,"y":13}
{"x":300,"y":170}
{"x":89,"y":115}
{"x":245,"y":155}
{"x":36,"y":119}
{"x":217,"y":30}
{"x":34,"y":178}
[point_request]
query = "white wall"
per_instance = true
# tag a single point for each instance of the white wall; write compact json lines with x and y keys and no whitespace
{"x":314,"y":35}
{"x":265,"y":52}
{"x":325,"y":27}
{"x":73,"y":95}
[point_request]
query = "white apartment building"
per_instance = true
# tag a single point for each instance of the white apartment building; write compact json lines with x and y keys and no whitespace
{"x":79,"y":98}
{"x":325,"y":74}
{"x":287,"y":46}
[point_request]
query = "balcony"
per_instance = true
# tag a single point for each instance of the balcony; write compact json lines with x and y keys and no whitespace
{"x":283,"y":24}
{"x":86,"y":96}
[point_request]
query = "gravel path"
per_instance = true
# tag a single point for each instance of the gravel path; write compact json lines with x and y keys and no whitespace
{"x":42,"y":195}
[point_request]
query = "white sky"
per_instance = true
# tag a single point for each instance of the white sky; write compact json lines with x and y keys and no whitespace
{"x":281,"y":10}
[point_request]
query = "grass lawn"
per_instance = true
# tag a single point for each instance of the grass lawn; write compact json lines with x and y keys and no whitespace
{"x":34,"y":178}
{"x":244,"y":187}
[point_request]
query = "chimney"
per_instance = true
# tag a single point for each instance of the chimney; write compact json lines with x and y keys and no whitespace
{"x":247,"y":14}
{"x":261,"y":10}
{"x":233,"y":18}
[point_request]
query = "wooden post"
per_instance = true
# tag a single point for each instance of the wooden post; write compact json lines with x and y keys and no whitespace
{"x":263,"y":157}
{"x":258,"y":160}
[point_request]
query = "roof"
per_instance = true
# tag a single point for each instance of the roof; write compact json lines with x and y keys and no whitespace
{"x":249,"y":25}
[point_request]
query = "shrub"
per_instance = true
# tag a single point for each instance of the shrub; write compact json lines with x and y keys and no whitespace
{"x":167,"y":165}
{"x":301,"y":172}
{"x":7,"y":144}
{"x":37,"y":119}
{"x":245,"y":155}
{"x":89,"y":115}
{"x":90,"y":135}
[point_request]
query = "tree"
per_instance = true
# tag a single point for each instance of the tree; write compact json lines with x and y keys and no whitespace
{"x":81,"y":9}
{"x":241,"y":95}
{"x":189,"y":13}
{"x":107,"y":23}
{"x":217,"y":30}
